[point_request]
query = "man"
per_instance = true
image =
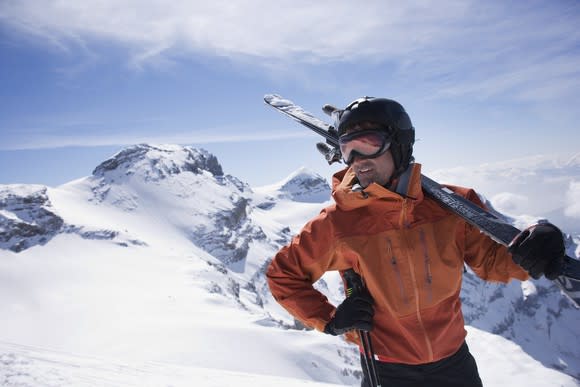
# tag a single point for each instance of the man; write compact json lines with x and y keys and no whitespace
{"x":409,"y":251}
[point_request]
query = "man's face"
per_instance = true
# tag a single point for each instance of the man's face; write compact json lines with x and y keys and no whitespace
{"x":376,"y":170}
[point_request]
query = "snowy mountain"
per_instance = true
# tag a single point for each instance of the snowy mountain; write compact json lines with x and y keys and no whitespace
{"x":151,"y":272}
{"x":301,"y":186}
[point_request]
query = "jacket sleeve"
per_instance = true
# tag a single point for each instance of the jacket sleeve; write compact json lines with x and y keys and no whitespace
{"x":490,"y":260}
{"x":297,"y":266}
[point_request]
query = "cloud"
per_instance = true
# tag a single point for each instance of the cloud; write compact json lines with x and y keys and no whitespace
{"x":509,"y":203}
{"x":573,"y":200}
{"x":267,"y":29}
{"x":49,"y":139}
{"x":534,"y":185}
{"x":466,"y":47}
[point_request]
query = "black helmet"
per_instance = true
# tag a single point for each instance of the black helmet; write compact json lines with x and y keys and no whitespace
{"x":391,"y":116}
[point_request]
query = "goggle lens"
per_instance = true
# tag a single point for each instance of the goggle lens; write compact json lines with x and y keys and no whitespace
{"x":365,"y":144}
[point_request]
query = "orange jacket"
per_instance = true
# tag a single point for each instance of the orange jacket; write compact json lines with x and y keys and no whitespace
{"x":410,"y":253}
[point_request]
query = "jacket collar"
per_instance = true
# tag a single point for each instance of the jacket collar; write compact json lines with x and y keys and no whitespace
{"x":348,"y":195}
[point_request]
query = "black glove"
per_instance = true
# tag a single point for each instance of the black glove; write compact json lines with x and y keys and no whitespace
{"x":355,"y":312}
{"x":539,"y":249}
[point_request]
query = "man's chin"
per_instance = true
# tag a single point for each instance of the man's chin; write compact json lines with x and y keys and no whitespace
{"x":365,"y":182}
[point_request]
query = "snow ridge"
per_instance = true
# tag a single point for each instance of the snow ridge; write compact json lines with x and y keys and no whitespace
{"x":156,"y":162}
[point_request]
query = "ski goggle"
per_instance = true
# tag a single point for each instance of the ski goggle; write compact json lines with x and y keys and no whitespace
{"x":365,"y":144}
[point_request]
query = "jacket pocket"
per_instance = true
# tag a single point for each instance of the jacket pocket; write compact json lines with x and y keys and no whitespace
{"x":427,"y":267}
{"x":397,"y":271}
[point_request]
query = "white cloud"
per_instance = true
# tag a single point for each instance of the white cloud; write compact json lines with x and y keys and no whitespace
{"x":469,"y":47}
{"x":573,"y":200}
{"x":534,"y":186}
{"x":200,"y":136}
{"x":323,"y":30}
{"x":509,"y":203}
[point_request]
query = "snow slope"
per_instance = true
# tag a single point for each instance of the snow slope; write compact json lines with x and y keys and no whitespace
{"x":150,"y":272}
{"x":22,"y":365}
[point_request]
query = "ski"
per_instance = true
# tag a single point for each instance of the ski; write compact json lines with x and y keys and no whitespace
{"x":488,"y":223}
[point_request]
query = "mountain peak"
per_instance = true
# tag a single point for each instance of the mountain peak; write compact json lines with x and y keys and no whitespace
{"x":157,"y":162}
{"x":304,"y":185}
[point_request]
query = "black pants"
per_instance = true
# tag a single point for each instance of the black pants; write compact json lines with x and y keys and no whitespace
{"x":458,"y":370}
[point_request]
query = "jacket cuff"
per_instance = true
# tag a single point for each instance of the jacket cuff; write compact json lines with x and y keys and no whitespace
{"x":329,"y":328}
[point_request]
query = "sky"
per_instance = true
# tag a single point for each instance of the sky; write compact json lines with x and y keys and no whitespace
{"x":79,"y":81}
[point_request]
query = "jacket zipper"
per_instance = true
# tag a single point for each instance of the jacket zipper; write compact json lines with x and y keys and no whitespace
{"x":397,"y":273}
{"x":427,"y":262}
{"x":403,"y":216}
{"x":403,"y":220}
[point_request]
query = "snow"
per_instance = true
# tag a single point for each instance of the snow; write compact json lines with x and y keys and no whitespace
{"x":503,"y":363}
{"x":302,"y":185}
{"x":129,"y":295}
{"x":22,"y":365}
{"x":573,"y":204}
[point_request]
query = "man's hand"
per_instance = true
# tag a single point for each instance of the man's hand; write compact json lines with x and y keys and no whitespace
{"x":355,"y":312}
{"x":539,"y":249}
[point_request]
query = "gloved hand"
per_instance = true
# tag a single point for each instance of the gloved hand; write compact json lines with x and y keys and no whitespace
{"x":355,"y":312}
{"x":539,"y":249}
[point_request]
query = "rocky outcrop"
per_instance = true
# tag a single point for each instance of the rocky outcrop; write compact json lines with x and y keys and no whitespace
{"x":158,"y":162}
{"x":229,"y":236}
{"x":26,"y":217}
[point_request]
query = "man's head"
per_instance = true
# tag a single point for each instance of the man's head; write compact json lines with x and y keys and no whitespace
{"x":376,"y":138}
{"x":365,"y":147}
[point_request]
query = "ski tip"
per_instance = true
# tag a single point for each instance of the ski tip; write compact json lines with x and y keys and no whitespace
{"x":277,"y":100}
{"x":270,"y":97}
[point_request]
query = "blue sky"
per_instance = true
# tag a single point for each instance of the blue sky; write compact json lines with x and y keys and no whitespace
{"x":482,"y":81}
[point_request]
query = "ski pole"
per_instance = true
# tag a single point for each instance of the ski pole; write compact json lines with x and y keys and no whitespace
{"x":367,"y":364}
{"x":369,"y":358}
{"x":355,"y":286}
